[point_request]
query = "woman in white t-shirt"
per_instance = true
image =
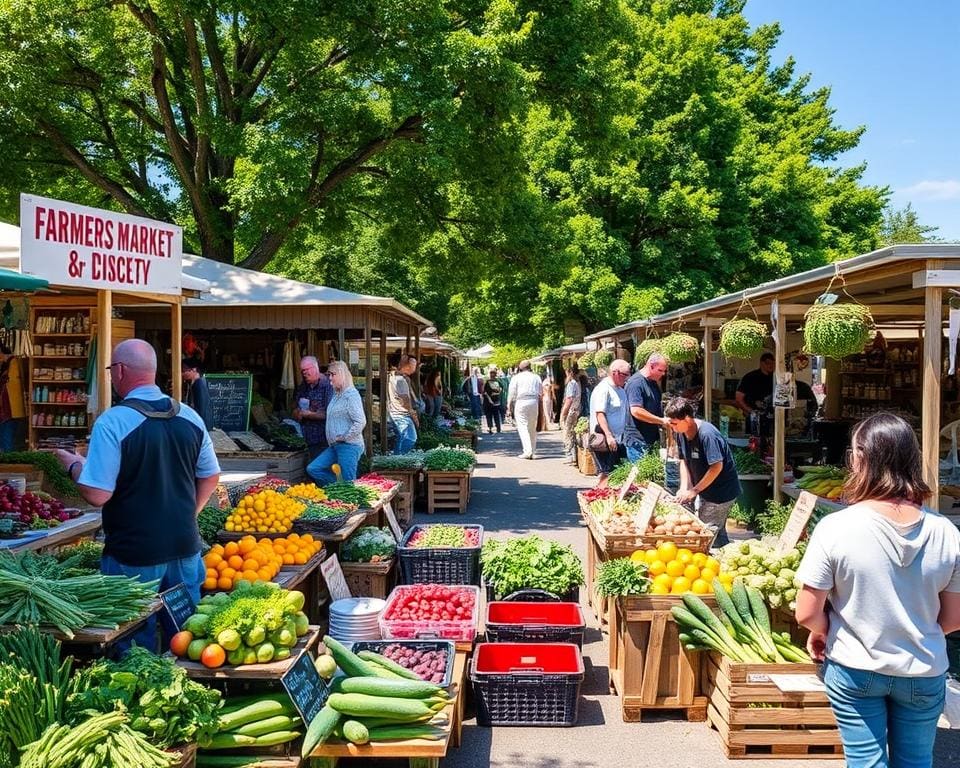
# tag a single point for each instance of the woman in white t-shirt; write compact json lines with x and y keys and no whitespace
{"x":881,"y":588}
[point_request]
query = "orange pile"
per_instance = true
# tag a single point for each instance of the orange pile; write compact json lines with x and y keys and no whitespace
{"x":254,"y":560}
{"x":674,"y":570}
{"x":295,"y":549}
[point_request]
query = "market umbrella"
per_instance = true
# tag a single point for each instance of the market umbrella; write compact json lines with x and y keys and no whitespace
{"x":14,"y":281}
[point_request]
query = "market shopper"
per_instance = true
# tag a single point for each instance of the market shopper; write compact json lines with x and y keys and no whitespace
{"x":881,"y":589}
{"x":197,"y":395}
{"x":756,"y":387}
{"x":433,"y":394}
{"x":608,"y":419}
{"x":12,"y":411}
{"x":492,"y":395}
{"x":523,"y":403}
{"x":473,"y":390}
{"x":504,"y":379}
{"x":313,"y":395}
{"x":646,"y":407}
{"x":151,"y":467}
{"x":344,"y":426}
{"x":401,"y":407}
{"x":570,"y":413}
{"x":708,"y":474}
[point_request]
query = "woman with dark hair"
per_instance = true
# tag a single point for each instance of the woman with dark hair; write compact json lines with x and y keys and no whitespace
{"x":880,"y":589}
{"x":433,"y":394}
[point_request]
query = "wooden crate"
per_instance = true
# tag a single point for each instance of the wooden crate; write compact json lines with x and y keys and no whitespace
{"x":448,"y":490}
{"x":465,"y":437}
{"x":288,"y":466}
{"x":370,"y":579}
{"x":402,"y":503}
{"x":756,"y":719}
{"x":650,"y":670}
{"x":585,"y":462}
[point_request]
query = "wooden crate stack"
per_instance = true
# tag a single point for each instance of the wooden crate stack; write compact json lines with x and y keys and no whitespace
{"x":650,"y":670}
{"x":448,"y":490}
{"x":756,"y":719}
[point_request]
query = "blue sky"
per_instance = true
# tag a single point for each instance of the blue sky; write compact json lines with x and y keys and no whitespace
{"x":894,"y":67}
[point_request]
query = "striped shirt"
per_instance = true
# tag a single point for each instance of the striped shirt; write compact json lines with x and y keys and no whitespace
{"x":345,"y":417}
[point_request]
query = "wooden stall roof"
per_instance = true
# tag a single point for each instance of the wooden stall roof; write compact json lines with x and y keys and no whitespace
{"x":884,"y":279}
{"x":428,"y":344}
{"x":560,"y":352}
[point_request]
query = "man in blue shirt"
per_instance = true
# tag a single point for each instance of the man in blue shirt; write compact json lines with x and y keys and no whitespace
{"x":707,"y":469}
{"x":315,"y":392}
{"x":646,"y":409}
{"x":151,"y":467}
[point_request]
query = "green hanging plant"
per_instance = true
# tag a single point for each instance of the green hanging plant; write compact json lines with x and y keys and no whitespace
{"x":742,"y":338}
{"x":585,"y":361}
{"x":602,"y":358}
{"x":646,"y":348}
{"x":837,"y":330}
{"x":681,"y":348}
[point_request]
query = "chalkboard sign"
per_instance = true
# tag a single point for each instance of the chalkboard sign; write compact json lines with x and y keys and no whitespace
{"x":307,"y":689}
{"x":230,"y":395}
{"x":178,"y":604}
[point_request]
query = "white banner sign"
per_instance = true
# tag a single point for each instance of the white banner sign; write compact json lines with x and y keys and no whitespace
{"x":74,"y":245}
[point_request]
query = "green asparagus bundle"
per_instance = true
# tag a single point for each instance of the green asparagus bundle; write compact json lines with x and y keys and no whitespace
{"x":741,"y":633}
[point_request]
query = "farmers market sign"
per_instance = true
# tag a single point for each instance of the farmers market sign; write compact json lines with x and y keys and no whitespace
{"x":74,"y":245}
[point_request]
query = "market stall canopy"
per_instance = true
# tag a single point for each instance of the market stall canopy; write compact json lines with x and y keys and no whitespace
{"x":14,"y":281}
{"x":428,"y":344}
{"x":560,"y":352}
{"x":232,"y":286}
{"x":480,"y":352}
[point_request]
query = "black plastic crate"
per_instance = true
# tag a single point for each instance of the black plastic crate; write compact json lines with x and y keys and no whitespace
{"x":527,"y":683}
{"x":534,"y":622}
{"x":439,"y":565}
{"x":377,"y":646}
{"x":533,"y":595}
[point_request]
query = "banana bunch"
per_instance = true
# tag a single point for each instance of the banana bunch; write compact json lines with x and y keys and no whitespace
{"x":823,"y":481}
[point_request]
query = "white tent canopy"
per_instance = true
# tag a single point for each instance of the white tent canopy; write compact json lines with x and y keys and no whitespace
{"x":480,"y":352}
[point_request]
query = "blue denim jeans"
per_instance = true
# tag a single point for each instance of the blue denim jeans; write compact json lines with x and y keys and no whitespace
{"x":476,"y":407}
{"x":347,"y":455}
{"x":637,"y":451}
{"x":189,"y":570}
{"x":406,"y":433}
{"x":885,"y":721}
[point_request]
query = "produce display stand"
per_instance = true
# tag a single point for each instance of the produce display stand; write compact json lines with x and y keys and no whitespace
{"x":419,"y":752}
{"x":272,"y":671}
{"x":755,"y":719}
{"x":827,"y":505}
{"x":649,"y":668}
{"x":406,"y":492}
{"x":448,"y":490}
{"x":465,"y":437}
{"x":370,"y":579}
{"x":68,"y":532}
{"x":374,"y":513}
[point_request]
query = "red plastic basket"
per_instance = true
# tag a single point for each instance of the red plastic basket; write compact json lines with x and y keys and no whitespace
{"x":527,"y":683}
{"x":534,"y":622}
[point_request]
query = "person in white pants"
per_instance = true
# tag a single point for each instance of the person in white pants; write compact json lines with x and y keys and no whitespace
{"x":523,"y":401}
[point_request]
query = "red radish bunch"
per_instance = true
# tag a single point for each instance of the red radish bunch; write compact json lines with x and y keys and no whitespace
{"x":597,"y":494}
{"x":377,"y":482}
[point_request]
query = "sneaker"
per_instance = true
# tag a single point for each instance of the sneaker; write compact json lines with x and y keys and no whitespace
{"x":523,"y":455}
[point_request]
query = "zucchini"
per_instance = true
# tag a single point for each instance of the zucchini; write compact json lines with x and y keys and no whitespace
{"x":385,"y":673}
{"x":347,"y":660}
{"x":388,"y":664}
{"x":362,"y":705}
{"x":230,"y":741}
{"x":240,"y":702}
{"x":269,"y":725}
{"x":277,"y":737}
{"x":402,"y":689}
{"x":378,"y":722}
{"x":395,"y":732}
{"x":355,"y":733}
{"x":259,"y":710}
{"x":319,"y":729}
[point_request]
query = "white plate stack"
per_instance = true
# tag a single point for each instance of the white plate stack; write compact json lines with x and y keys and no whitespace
{"x":356,"y":618}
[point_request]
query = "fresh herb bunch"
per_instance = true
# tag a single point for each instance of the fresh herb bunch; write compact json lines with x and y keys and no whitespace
{"x":281,"y":436}
{"x":430,"y":433}
{"x":837,"y":330}
{"x":650,"y":469}
{"x":445,"y":459}
{"x":748,"y":463}
{"x":740,"y":515}
{"x":369,"y":545}
{"x":210,"y":522}
{"x":163,"y":703}
{"x":360,"y":495}
{"x":412,"y":460}
{"x":53,"y":470}
{"x":681,"y":348}
{"x":622,"y":576}
{"x":774,"y":518}
{"x":742,"y":338}
{"x":530,"y":562}
{"x":646,"y":348}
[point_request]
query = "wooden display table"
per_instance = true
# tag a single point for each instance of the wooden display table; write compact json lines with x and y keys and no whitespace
{"x":272,"y":671}
{"x":69,"y":532}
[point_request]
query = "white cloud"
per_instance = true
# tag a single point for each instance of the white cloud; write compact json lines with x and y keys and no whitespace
{"x":947,"y":189}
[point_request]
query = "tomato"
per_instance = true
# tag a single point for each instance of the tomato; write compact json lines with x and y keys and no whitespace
{"x":213,"y":656}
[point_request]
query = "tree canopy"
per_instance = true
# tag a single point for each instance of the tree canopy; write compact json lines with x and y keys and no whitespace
{"x":516,"y":170}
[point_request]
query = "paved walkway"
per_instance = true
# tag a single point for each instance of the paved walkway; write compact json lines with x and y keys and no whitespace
{"x":513,"y":496}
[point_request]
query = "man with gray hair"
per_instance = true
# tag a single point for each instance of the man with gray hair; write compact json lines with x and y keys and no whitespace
{"x":313,"y":396}
{"x":151,"y":466}
{"x":523,"y":402}
{"x":608,"y":418}
{"x":646,"y":407}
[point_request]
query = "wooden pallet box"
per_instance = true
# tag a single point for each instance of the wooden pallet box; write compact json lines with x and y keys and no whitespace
{"x":370,"y":579}
{"x":448,"y":491}
{"x":650,"y":670}
{"x":756,"y":719}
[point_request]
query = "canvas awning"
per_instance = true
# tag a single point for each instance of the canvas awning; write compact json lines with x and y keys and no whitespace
{"x":14,"y":281}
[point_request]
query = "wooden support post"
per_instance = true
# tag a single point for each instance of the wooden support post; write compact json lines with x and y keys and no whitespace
{"x":779,"y":324}
{"x":341,"y":347}
{"x":416,"y":353}
{"x":176,"y":344}
{"x":932,"y":355}
{"x":707,"y":374}
{"x":104,"y":347}
{"x":384,"y":443}
{"x":368,"y":388}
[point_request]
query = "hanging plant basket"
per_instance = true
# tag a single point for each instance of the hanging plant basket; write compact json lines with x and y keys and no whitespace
{"x":742,"y":338}
{"x":646,"y":348}
{"x":585,"y":361}
{"x":680,"y":348}
{"x":602,"y":358}
{"x":837,"y":330}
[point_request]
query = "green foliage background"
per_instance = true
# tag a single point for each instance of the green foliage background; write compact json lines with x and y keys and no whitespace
{"x":505,"y":167}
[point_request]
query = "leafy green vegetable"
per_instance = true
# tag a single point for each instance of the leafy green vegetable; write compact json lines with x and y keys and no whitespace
{"x":621,"y":576}
{"x":774,"y":518}
{"x":530,"y":562}
{"x":360,"y":495}
{"x":83,"y":557}
{"x":650,"y":469}
{"x":449,"y":459}
{"x":749,"y":463}
{"x":367,"y":543}
{"x":210,"y":521}
{"x":431,"y":434}
{"x":412,"y":460}
{"x":53,"y":470}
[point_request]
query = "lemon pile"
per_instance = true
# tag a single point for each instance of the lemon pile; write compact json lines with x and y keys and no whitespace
{"x":264,"y":512}
{"x":676,"y":570}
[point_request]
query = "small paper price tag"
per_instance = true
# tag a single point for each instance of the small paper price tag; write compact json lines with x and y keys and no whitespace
{"x":648,"y":504}
{"x":336,"y":581}
{"x":797,"y":522}
{"x":306,"y":688}
{"x":178,"y":604}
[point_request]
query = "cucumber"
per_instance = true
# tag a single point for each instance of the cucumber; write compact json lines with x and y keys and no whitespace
{"x":388,"y":664}
{"x":277,"y":737}
{"x":355,"y":733}
{"x":319,"y":729}
{"x":230,"y":740}
{"x":347,"y":660}
{"x":395,"y":732}
{"x":259,"y":710}
{"x":402,"y":689}
{"x":385,"y":673}
{"x":269,"y":725}
{"x":379,"y":722}
{"x":362,"y":705}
